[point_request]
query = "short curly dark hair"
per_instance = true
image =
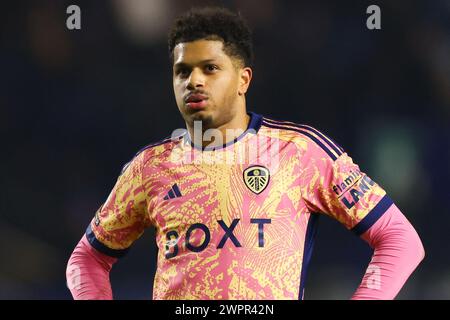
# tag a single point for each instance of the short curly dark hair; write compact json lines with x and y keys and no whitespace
{"x":214,"y":23}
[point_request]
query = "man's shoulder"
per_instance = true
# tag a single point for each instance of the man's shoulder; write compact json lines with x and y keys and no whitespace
{"x":305,"y":136}
{"x":155,"y":150}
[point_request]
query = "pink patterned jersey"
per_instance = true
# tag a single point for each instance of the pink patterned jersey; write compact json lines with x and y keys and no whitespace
{"x":238,"y":221}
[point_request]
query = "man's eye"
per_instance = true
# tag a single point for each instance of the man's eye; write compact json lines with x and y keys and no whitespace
{"x":182,"y":72}
{"x":211,"y":67}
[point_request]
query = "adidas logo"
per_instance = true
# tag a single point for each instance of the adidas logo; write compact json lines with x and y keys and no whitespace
{"x":174,"y":192}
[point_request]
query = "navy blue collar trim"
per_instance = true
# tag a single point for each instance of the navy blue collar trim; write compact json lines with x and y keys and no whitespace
{"x":253,"y":126}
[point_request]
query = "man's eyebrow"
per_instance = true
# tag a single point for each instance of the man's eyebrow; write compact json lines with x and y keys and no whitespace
{"x":184,"y":64}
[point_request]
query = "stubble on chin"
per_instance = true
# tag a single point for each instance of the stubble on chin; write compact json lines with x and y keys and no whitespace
{"x":206,"y":120}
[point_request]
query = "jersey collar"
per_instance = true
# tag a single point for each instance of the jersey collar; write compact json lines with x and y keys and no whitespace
{"x":253,"y":127}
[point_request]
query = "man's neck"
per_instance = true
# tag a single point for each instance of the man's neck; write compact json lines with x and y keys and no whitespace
{"x":217,"y":137}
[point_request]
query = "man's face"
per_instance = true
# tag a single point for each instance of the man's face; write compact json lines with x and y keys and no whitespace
{"x":206,"y":83}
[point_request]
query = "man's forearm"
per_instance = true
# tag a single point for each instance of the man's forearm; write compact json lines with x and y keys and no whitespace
{"x":87,"y":273}
{"x":397,"y":252}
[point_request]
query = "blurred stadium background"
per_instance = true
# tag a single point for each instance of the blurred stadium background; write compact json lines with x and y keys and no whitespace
{"x":76,"y":105}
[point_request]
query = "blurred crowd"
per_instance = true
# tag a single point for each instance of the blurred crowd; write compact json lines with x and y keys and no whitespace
{"x":75,"y":105}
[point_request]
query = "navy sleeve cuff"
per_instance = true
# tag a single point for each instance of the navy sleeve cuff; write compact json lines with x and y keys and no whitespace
{"x":373,"y":216}
{"x":101,"y":247}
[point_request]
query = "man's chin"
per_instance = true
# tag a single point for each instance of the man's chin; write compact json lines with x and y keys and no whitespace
{"x":203,"y":115}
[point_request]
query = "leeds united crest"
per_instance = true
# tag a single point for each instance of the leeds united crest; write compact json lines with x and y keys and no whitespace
{"x":256,"y":178}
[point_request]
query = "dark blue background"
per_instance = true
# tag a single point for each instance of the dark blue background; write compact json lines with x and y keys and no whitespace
{"x":76,"y":105}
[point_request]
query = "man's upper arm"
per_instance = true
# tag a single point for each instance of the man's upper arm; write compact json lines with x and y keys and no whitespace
{"x":336,"y":186}
{"x":123,"y":217}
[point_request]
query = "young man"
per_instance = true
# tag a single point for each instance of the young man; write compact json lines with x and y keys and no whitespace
{"x":235,"y":198}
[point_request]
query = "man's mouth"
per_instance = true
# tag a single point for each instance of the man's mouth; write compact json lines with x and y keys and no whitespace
{"x":196,"y":101}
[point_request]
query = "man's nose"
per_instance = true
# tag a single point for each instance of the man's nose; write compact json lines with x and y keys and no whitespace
{"x":196,"y":79}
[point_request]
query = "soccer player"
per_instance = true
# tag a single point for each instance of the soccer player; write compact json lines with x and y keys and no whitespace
{"x":235,"y":197}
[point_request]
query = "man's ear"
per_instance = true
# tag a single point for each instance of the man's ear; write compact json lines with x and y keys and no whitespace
{"x":245,"y":75}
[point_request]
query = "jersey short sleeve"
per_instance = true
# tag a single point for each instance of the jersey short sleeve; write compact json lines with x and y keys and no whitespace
{"x":123,"y":217}
{"x":335,"y":185}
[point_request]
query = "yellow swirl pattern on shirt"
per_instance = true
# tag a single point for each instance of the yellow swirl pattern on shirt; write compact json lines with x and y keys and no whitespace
{"x":265,"y":259}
